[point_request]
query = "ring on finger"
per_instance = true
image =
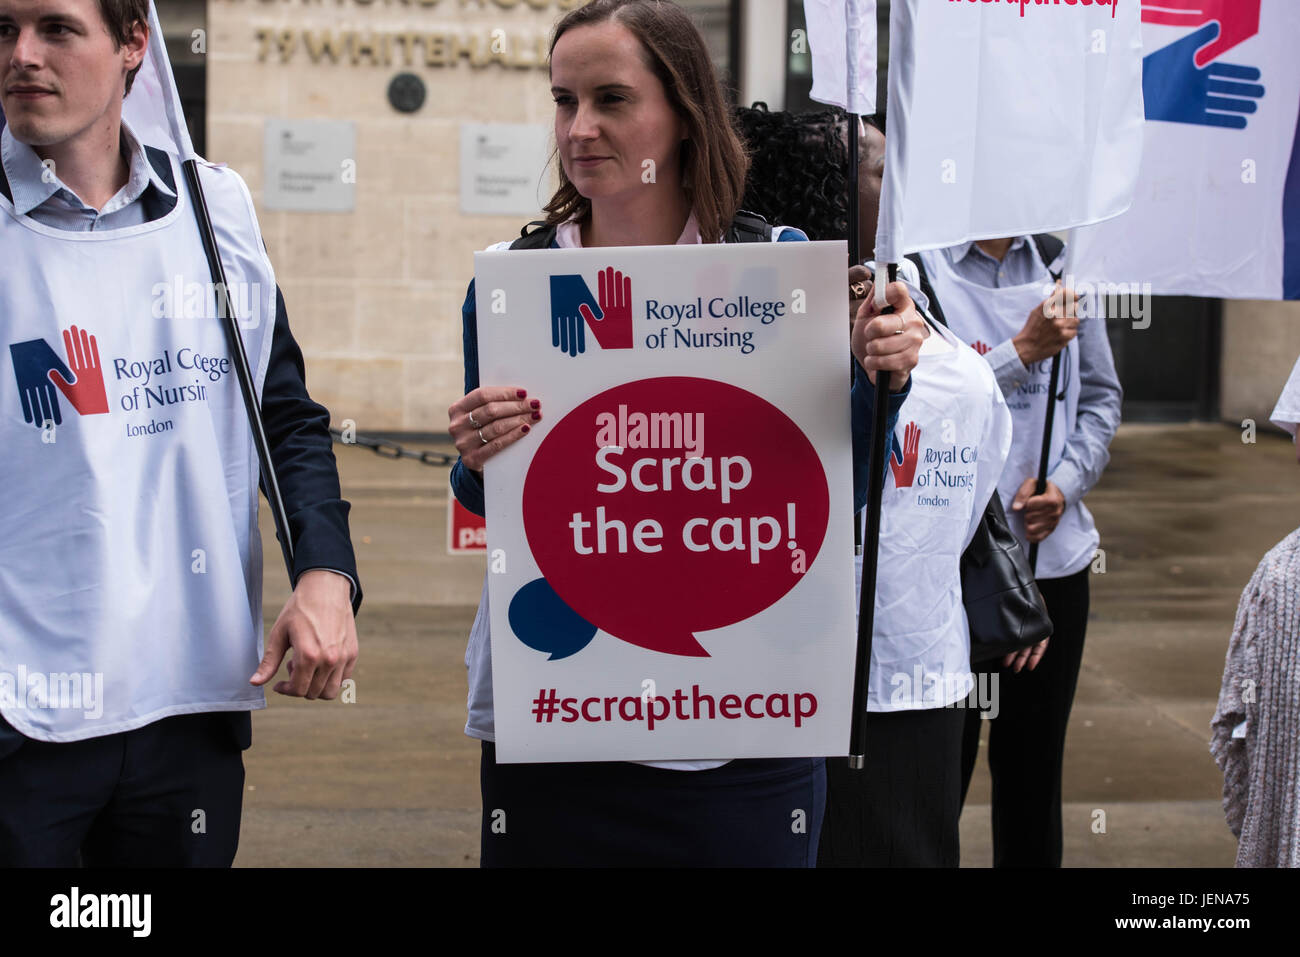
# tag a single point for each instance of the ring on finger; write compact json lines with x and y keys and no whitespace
{"x":901,"y":324}
{"x":480,"y":437}
{"x":858,"y":289}
{"x":477,"y":425}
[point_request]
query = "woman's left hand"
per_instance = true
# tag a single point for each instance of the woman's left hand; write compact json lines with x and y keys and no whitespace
{"x":890,"y":342}
{"x":1026,"y":657}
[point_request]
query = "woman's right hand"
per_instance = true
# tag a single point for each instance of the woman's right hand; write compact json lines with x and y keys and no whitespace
{"x":488,"y":420}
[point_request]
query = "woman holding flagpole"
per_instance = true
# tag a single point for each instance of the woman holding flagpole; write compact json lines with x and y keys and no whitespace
{"x":633,"y":83}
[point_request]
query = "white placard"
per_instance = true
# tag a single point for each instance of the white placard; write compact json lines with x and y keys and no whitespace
{"x":503,"y":168}
{"x":695,"y":427}
{"x":310,"y":165}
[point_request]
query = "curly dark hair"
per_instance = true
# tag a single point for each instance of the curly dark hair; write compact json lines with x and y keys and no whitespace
{"x":798,"y":169}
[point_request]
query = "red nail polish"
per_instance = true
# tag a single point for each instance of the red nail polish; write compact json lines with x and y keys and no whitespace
{"x":521,"y":393}
{"x":526,"y":429}
{"x":537,"y":416}
{"x":535,"y":404}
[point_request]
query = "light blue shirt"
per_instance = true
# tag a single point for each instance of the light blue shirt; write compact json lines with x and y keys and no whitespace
{"x":1087,"y":450}
{"x":39,"y":193}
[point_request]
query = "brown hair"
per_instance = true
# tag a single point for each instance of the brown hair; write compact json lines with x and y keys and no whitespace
{"x":121,"y":16}
{"x":713,"y":159}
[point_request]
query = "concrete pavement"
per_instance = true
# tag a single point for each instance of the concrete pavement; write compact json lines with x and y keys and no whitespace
{"x":1185,"y":513}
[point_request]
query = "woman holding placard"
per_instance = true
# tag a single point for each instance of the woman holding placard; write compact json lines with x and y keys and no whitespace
{"x":635,"y":90}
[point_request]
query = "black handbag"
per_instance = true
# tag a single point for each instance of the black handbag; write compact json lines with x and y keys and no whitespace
{"x":1004,"y":608}
{"x":1003,"y":605}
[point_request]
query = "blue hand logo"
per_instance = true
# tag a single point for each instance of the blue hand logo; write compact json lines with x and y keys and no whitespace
{"x":1177,"y":91}
{"x":33,"y":362}
{"x":569,"y":294}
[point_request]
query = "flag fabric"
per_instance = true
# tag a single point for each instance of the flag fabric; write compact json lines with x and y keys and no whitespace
{"x":834,"y":28}
{"x":1007,"y":118}
{"x":1217,"y":209}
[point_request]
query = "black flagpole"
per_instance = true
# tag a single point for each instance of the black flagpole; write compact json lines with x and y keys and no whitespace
{"x":235,"y":346}
{"x":869,"y":546}
{"x":1041,"y":485}
{"x":870,"y":553}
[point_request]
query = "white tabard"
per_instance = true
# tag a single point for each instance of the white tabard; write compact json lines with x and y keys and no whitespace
{"x":952,"y":437}
{"x":130,"y":561}
{"x":990,"y":316}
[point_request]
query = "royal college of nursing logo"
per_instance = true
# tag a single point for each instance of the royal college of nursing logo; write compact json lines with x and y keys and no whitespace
{"x":574,"y":311}
{"x":40,"y":370}
{"x":1186,"y":81}
{"x":902,"y":458}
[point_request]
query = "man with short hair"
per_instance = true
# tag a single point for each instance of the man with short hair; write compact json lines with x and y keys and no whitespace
{"x":130,"y":593}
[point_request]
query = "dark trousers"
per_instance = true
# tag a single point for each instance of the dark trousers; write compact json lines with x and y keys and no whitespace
{"x":165,"y":795}
{"x":903,"y":808}
{"x":747,"y":813}
{"x":1026,"y":741}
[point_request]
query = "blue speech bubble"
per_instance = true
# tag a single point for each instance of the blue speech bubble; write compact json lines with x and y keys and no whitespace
{"x":542,"y":621}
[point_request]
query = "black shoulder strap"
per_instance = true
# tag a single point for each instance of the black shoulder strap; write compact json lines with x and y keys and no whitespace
{"x":1050,"y":248}
{"x":539,"y":238}
{"x":935,"y":309}
{"x":749,"y":227}
{"x":4,"y":186}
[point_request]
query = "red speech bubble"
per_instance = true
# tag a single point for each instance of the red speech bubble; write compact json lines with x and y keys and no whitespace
{"x":670,"y":506}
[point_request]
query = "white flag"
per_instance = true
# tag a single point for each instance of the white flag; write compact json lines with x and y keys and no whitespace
{"x":1217,"y":210}
{"x":153,"y":107}
{"x":1006,"y":118}
{"x":842,"y":43}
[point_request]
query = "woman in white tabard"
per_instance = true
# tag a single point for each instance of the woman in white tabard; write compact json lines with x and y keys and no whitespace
{"x":632,"y":81}
{"x":947,"y":452}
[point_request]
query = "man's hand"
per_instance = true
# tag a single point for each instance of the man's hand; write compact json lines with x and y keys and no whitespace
{"x":1050,"y":327}
{"x":1040,"y":512}
{"x":317,"y":622}
{"x":889,"y":342}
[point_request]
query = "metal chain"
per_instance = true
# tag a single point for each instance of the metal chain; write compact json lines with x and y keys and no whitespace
{"x":394,"y":450}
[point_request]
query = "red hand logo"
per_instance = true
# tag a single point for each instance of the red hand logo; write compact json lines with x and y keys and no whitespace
{"x":86,"y":393}
{"x":980,"y":347}
{"x":614,"y":329}
{"x":905,"y":471}
{"x":1238,"y":21}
